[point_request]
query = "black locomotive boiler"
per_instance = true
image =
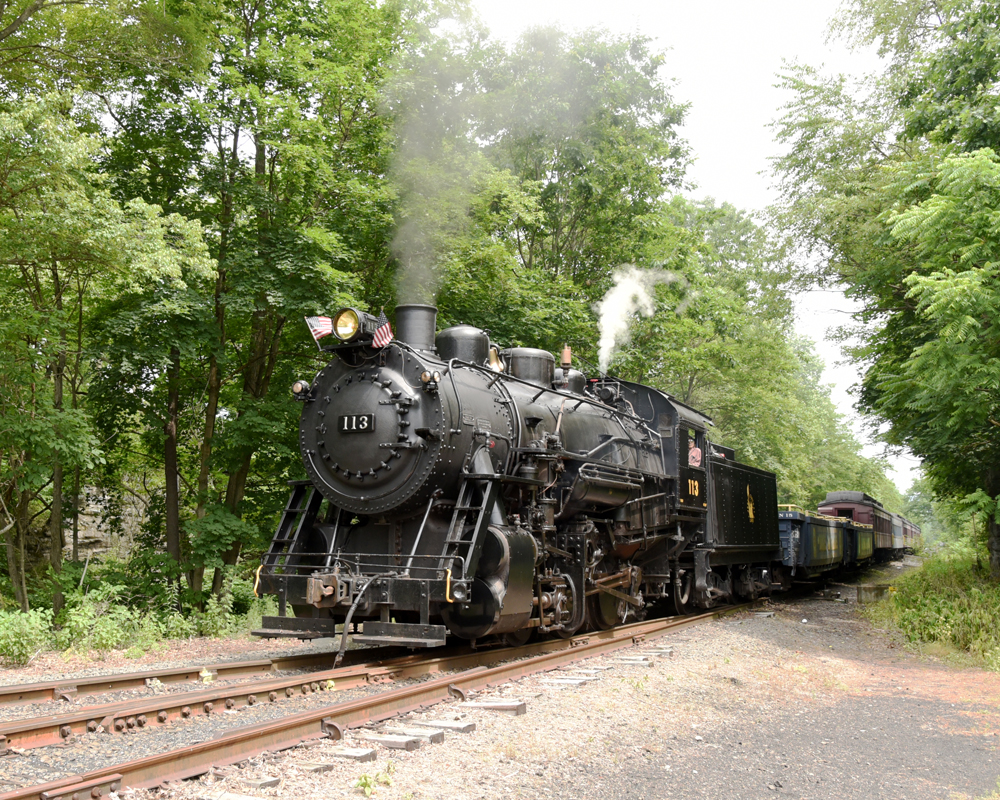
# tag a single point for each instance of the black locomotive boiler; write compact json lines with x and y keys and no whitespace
{"x":455,"y":487}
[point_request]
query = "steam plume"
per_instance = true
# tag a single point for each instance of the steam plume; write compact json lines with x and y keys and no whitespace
{"x":435,"y":159}
{"x":631,"y":294}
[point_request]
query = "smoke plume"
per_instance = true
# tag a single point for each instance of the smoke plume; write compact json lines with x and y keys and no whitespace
{"x":631,"y":294}
{"x":435,"y":158}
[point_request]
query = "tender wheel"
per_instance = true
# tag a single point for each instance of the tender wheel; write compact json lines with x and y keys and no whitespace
{"x":605,"y":611}
{"x":683,"y":591}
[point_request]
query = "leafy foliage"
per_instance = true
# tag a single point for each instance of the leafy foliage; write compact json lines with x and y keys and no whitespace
{"x":894,"y":185}
{"x":587,"y":124}
{"x":24,"y":634}
{"x":953,"y":602}
{"x":96,"y":621}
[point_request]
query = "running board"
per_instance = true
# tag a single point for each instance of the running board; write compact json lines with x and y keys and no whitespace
{"x":403,"y":634}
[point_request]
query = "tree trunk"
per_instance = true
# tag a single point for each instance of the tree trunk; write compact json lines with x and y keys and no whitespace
{"x":234,"y":496}
{"x":196,"y":577}
{"x":993,"y":543}
{"x":58,"y":378}
{"x":15,"y":562}
{"x":211,"y":410}
{"x":56,"y":514}
{"x":170,"y":471}
{"x":256,"y":381}
{"x":23,"y":518}
{"x":76,"y":515}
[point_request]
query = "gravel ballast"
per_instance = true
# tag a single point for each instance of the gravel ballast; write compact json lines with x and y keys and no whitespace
{"x":808,"y":703}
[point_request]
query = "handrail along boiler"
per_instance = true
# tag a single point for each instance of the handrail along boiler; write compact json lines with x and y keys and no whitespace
{"x":457,"y":487}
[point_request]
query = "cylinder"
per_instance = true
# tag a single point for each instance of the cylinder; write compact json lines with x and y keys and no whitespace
{"x":415,"y":325}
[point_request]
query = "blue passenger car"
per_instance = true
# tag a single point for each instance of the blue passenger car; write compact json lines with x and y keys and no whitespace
{"x":811,"y":543}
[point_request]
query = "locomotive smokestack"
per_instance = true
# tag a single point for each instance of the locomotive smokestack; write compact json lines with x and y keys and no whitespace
{"x":416,"y":325}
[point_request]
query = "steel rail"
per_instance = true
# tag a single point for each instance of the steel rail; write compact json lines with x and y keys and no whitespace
{"x":70,"y":688}
{"x":331,"y":721}
{"x":153,"y":712}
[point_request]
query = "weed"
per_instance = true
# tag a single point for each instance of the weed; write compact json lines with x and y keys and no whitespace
{"x":637,"y":684}
{"x":217,"y":620}
{"x":107,"y":616}
{"x":177,"y":626}
{"x":995,"y":795}
{"x":948,"y":602}
{"x":368,"y":783}
{"x":149,"y":630}
{"x":23,"y":635}
{"x":95,"y":620}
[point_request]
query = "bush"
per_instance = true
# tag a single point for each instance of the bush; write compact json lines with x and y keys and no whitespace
{"x":238,"y":612}
{"x":149,"y":631}
{"x":243,"y":596}
{"x":96,"y":621}
{"x":148,"y":579}
{"x":951,"y":601}
{"x":177,"y":626}
{"x":23,"y":635}
{"x":115,"y":611}
{"x":217,"y":619}
{"x":262,"y":606}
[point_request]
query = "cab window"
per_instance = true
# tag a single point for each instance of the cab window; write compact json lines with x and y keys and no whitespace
{"x":695,"y":449}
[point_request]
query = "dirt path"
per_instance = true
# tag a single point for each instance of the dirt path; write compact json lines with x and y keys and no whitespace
{"x":813,"y":703}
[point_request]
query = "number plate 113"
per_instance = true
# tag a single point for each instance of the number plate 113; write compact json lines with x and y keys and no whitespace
{"x":356,"y":423}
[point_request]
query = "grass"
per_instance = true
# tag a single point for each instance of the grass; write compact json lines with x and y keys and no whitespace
{"x":949,"y":608}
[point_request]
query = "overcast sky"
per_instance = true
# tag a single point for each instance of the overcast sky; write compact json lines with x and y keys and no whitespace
{"x":724,"y":57}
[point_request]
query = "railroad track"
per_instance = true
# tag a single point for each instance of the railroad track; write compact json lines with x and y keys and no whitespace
{"x":85,"y":686}
{"x":469,"y":671}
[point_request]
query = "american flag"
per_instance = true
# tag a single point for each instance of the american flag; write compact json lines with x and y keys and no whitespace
{"x":383,"y":334}
{"x":319,"y":327}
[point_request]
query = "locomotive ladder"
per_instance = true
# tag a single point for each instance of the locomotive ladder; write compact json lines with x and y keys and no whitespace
{"x":477,"y":494}
{"x":296,"y":520}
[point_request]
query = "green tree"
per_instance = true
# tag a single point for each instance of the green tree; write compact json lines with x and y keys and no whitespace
{"x":587,"y":123}
{"x":278,"y":148}
{"x":91,"y":45}
{"x":894,"y":187}
{"x":65,"y":244}
{"x":939,"y":385}
{"x":721,"y":340}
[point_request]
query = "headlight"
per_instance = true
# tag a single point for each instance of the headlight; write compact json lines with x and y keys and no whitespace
{"x":346,"y":324}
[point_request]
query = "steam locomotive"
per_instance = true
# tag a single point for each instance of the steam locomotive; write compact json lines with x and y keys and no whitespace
{"x":455,"y":487}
